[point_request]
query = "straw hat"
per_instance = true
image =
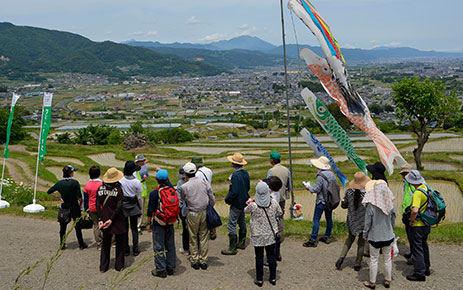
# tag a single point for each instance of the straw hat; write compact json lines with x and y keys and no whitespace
{"x":112,"y":175}
{"x":360,"y":179}
{"x":321,"y":163}
{"x":372,"y":183}
{"x":406,"y":168}
{"x":237,"y":158}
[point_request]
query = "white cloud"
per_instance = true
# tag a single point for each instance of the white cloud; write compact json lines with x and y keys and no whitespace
{"x":391,"y":44}
{"x":152,"y":33}
{"x":245,"y":29}
{"x":137,"y":33}
{"x":193,"y":20}
{"x":214,"y":37}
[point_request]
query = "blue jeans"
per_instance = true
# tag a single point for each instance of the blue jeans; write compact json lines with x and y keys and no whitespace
{"x":163,"y":240}
{"x":319,"y":209}
{"x":236,"y":216}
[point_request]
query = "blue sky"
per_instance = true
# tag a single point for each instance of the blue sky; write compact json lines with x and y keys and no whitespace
{"x":422,"y":24}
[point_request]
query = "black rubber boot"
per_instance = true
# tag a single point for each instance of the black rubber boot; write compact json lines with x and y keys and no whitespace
{"x":231,"y":246}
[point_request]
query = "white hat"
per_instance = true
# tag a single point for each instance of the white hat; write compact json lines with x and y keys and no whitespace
{"x":321,"y":163}
{"x":189,"y":168}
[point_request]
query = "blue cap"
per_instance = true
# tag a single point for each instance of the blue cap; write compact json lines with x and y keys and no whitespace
{"x":162,"y":174}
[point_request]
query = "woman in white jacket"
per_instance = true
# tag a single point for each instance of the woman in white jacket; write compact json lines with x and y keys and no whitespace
{"x":264,"y":228}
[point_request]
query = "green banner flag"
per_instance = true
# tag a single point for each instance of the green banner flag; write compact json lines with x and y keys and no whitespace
{"x":45,"y":127}
{"x":6,"y":154}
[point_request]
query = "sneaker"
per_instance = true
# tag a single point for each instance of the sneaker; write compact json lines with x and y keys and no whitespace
{"x":64,"y":247}
{"x":415,"y":277}
{"x":387,"y":284}
{"x":278,"y":258}
{"x":161,"y":274}
{"x":83,"y":246}
{"x":325,"y":240}
{"x":339,"y":263}
{"x":136,"y":253}
{"x":204,"y":266}
{"x":266,"y":264}
{"x":259,"y":283}
{"x":195,"y":266}
{"x":273,"y":281}
{"x":357,"y":268}
{"x":370,"y":285}
{"x":427,"y":273}
{"x":170,"y":272}
{"x":310,"y":244}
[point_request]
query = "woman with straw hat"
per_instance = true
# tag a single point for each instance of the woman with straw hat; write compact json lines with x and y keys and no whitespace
{"x":324,"y":177}
{"x":355,"y":218}
{"x":379,"y":228}
{"x":111,"y":220}
{"x":236,"y":198}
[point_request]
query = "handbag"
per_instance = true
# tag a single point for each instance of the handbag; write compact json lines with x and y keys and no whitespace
{"x":212,"y":218}
{"x":86,"y":222}
{"x":64,"y":215}
{"x":275,"y":235}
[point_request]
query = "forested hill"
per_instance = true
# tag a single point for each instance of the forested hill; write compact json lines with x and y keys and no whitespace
{"x":27,"y":49}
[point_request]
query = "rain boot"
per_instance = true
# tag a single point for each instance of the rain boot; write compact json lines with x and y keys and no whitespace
{"x":242,"y":240}
{"x":232,"y":246}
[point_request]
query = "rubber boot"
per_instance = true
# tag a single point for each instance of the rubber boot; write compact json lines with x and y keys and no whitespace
{"x":242,"y":240}
{"x":232,"y":246}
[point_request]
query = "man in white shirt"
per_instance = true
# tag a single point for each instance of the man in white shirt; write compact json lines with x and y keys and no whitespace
{"x":204,"y":173}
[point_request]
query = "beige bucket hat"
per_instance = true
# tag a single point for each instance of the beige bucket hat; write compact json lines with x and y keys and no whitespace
{"x":321,"y":163}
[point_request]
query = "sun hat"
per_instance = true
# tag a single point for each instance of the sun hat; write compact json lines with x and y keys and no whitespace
{"x":162,"y":174}
{"x":372,"y":183}
{"x":189,"y":168}
{"x":262,"y":194}
{"x":274,"y":155}
{"x":112,"y":175}
{"x":237,"y":158}
{"x":140,"y":157}
{"x":197,"y":160}
{"x":406,"y":168}
{"x":360,"y":180}
{"x":321,"y":163}
{"x":414,"y":177}
{"x":377,"y":171}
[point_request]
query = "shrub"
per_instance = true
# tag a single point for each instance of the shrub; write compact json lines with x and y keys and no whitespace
{"x":15,"y":193}
{"x":64,"y":138}
{"x":170,"y":136}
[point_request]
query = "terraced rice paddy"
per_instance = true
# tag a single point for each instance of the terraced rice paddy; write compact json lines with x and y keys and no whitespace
{"x":447,"y":145}
{"x":66,"y":160}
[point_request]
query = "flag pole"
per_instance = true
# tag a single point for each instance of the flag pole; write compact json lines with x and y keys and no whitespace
{"x":35,"y":208}
{"x":287,"y":111}
{"x":3,"y":203}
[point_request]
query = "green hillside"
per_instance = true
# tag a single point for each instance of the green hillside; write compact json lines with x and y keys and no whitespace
{"x":27,"y":49}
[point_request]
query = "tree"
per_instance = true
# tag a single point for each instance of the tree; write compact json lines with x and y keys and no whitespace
{"x":17,"y":131}
{"x":426,"y":106}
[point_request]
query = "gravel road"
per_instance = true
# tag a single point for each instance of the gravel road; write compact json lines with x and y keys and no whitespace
{"x":26,"y":240}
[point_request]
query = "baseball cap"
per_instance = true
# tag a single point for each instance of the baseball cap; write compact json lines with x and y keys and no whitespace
{"x":189,"y":168}
{"x":162,"y":174}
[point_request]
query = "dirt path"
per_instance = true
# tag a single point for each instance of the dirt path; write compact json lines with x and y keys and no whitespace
{"x":25,"y":240}
{"x":27,"y":177}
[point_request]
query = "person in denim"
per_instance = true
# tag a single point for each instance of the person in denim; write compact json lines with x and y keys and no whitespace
{"x":163,"y":236}
{"x":321,"y":189}
{"x":236,"y":198}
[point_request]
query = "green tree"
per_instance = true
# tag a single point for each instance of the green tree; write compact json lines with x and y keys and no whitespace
{"x":64,"y":138}
{"x":137,"y":127}
{"x":426,"y":106}
{"x":17,"y":131}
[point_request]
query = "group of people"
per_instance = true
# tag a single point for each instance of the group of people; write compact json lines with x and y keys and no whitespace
{"x":117,"y":203}
{"x":371,"y":218}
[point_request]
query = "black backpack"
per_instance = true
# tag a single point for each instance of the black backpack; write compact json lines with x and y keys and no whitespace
{"x":332,"y":197}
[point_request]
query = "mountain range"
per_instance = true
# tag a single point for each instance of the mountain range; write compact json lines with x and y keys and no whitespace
{"x":26,"y":50}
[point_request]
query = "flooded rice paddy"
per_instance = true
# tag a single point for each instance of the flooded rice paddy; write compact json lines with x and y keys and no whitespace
{"x":66,"y":160}
{"x":447,"y":145}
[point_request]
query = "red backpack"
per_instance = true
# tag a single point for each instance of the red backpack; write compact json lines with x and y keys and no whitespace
{"x":169,"y":207}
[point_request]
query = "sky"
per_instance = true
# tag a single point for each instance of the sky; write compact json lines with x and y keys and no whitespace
{"x":421,"y":24}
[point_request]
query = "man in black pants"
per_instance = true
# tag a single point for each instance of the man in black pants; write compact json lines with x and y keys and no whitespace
{"x":71,"y":198}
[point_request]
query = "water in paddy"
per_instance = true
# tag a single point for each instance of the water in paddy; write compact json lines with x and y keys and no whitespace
{"x":450,"y":191}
